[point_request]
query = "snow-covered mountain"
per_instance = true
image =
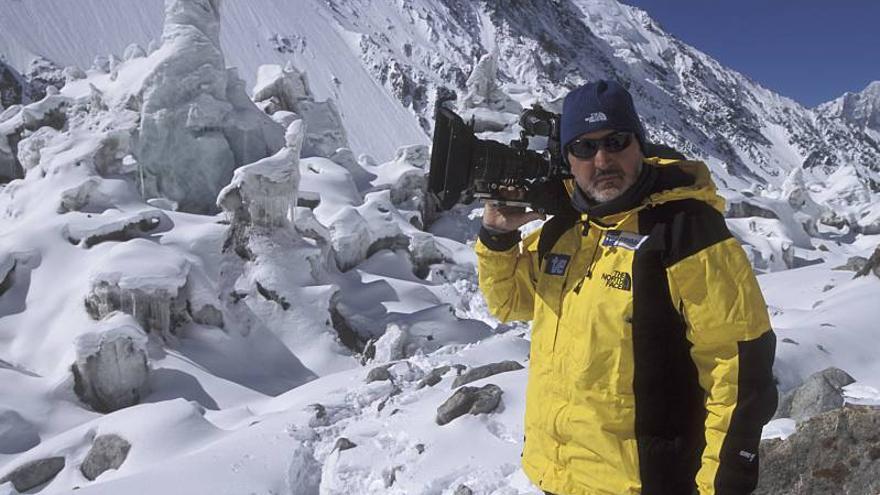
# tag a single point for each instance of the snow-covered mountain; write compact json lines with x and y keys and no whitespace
{"x":319,"y":335}
{"x":382,"y":61}
{"x":860,"y":110}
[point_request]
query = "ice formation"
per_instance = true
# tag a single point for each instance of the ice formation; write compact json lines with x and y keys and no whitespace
{"x":279,"y":275}
{"x":286,"y":89}
{"x":490,"y":107}
{"x":263,"y":193}
{"x":143,"y":279}
{"x":197,"y":124}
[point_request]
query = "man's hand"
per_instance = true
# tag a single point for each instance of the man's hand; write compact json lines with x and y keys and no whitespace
{"x":507,"y":218}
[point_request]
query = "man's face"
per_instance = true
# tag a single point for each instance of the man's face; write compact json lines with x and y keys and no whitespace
{"x":607,"y":175}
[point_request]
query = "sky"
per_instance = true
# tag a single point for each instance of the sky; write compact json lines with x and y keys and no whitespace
{"x":809,"y":50}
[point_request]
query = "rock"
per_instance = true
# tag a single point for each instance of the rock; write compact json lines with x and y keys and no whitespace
{"x":463,"y":490}
{"x":379,"y":373}
{"x":436,"y":374}
{"x":469,"y":400}
{"x":746,"y":209}
{"x":853,"y":264}
{"x":783,"y":408}
{"x":832,"y":453}
{"x":16,"y":433}
{"x":343,"y":443}
{"x":14,"y":88}
{"x":481,"y":372}
{"x":872,"y":264}
{"x":112,"y":369}
{"x":819,"y":393}
{"x":35,"y":473}
{"x":107,"y":452}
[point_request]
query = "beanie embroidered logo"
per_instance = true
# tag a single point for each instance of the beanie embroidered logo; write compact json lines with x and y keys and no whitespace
{"x":596,"y":117}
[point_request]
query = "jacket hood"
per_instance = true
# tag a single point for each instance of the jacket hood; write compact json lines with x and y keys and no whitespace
{"x":683,"y":179}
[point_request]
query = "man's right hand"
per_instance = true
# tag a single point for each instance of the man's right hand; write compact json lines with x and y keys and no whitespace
{"x":507,"y":218}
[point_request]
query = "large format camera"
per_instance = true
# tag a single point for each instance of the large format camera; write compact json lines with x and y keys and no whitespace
{"x":464,"y":168}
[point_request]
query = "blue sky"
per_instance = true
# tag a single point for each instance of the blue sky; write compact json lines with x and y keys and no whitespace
{"x":809,"y":50}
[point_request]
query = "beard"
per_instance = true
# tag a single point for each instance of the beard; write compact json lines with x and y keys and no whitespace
{"x":609,"y":185}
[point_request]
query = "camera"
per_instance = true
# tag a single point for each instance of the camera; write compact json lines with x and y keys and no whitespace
{"x":464,"y":167}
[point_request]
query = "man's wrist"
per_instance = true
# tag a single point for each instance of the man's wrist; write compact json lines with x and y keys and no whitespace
{"x":499,"y":240}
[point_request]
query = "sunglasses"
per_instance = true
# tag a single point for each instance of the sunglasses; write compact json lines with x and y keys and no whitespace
{"x":587,"y":148}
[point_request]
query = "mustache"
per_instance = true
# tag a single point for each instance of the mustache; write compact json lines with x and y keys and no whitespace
{"x":613,"y":172}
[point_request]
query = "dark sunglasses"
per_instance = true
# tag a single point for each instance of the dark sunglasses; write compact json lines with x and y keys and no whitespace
{"x":587,"y":148}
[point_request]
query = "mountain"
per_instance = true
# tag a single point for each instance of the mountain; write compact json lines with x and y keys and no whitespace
{"x":383,"y":64}
{"x":860,"y":110}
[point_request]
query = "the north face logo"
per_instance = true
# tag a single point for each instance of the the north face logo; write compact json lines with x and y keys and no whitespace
{"x":596,"y":117}
{"x":618,"y":280}
{"x":556,"y":264}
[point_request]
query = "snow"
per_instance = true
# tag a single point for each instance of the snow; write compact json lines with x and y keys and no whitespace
{"x":256,"y":322}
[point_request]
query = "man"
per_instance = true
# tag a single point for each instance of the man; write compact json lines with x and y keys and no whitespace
{"x":651,"y":355}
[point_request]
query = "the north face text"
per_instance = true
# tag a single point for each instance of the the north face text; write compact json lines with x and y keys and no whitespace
{"x":618,"y":280}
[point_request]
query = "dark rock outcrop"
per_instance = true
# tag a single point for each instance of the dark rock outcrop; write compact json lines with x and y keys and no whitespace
{"x":871,"y":265}
{"x":112,"y":368}
{"x":379,"y":373}
{"x":481,"y":372}
{"x":435,"y":375}
{"x":833,"y":453}
{"x":107,"y":452}
{"x":343,"y":443}
{"x":820,"y":392}
{"x":35,"y":473}
{"x":469,"y":400}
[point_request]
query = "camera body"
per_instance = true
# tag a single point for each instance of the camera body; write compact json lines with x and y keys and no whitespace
{"x":464,"y":168}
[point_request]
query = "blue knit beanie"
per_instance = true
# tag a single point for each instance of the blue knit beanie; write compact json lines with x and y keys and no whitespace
{"x":598,"y":106}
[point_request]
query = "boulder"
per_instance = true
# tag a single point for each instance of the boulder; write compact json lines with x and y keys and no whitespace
{"x":34,"y":473}
{"x":435,"y":375}
{"x":112,"y":369}
{"x":107,"y":452}
{"x":821,"y":392}
{"x":343,"y":443}
{"x":872,"y":264}
{"x":379,"y":373}
{"x":481,"y":372}
{"x":469,"y":400}
{"x":835,"y":452}
{"x":463,"y":490}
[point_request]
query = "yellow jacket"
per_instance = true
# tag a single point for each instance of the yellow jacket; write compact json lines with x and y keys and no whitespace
{"x":651,"y":353}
